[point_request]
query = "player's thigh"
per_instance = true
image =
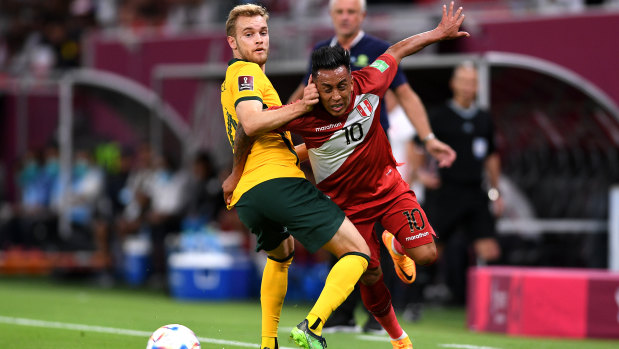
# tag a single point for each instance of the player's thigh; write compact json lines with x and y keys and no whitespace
{"x":309,"y":215}
{"x":354,"y":238}
{"x":407,"y":221}
{"x":269,"y":233}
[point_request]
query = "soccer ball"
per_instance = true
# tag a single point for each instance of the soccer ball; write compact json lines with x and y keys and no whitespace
{"x":173,"y":336}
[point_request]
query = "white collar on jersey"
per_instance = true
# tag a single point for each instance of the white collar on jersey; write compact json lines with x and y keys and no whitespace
{"x":465,"y":113}
{"x":354,"y":42}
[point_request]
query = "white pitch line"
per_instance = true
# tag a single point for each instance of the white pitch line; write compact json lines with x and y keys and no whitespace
{"x":464,"y":346}
{"x":373,"y":338}
{"x":111,"y":330}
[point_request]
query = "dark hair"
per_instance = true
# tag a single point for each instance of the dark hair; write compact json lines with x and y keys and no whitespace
{"x":330,"y":57}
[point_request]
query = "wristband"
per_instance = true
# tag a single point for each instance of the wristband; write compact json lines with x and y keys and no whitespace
{"x":428,"y":137}
{"x":493,"y":194}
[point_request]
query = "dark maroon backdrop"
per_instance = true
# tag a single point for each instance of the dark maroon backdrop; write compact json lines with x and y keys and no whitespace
{"x":585,"y":44}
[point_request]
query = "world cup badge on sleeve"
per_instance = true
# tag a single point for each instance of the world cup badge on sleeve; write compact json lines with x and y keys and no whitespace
{"x":246,"y":83}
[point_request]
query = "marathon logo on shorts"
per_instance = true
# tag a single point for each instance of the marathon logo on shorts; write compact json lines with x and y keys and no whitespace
{"x":418,"y":236}
{"x":380,"y":65}
{"x":365,"y":108}
{"x":246,"y":83}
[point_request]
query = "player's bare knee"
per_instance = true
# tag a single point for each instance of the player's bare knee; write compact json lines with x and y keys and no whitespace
{"x":429,"y":257}
{"x":371,"y":276}
{"x":359,"y":247}
{"x":354,"y":240}
{"x":362,"y":247}
{"x":423,"y":255}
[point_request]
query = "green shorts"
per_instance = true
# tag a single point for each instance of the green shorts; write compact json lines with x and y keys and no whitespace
{"x":280,"y":207}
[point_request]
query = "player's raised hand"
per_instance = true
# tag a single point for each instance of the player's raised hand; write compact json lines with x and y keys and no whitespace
{"x":449,"y":27}
{"x":310,"y":94}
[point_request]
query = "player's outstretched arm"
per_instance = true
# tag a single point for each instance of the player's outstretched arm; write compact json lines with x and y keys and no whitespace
{"x":447,"y":29}
{"x":255,"y":120}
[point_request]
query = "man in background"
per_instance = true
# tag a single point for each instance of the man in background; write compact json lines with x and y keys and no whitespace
{"x":457,"y":199}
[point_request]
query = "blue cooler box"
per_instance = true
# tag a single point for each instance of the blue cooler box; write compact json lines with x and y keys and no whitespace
{"x":210,"y":276}
{"x":136,"y":260}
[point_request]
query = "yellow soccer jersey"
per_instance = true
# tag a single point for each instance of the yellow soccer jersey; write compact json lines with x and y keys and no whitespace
{"x":272,"y":154}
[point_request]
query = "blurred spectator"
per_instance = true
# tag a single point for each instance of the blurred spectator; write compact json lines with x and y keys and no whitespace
{"x":128,"y":192}
{"x":116,"y":178}
{"x":112,"y":206}
{"x":29,"y":222}
{"x":86,"y":188}
{"x":31,"y":182}
{"x":141,"y":16}
{"x":167,"y":195}
{"x":51,"y":167}
{"x":167,"y":189}
{"x":40,"y":36}
{"x":457,"y":202}
{"x":204,"y":193}
{"x":187,"y":14}
{"x":134,"y":195}
{"x":108,"y":156}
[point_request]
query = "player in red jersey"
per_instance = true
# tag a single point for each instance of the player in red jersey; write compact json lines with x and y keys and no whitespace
{"x":352,"y":161}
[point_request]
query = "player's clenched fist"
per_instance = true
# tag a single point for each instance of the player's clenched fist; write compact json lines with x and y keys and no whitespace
{"x":310,"y":95}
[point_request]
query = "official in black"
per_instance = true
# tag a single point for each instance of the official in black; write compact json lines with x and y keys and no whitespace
{"x":463,"y":200}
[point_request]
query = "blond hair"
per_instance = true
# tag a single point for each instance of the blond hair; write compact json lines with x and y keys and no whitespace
{"x":247,"y":10}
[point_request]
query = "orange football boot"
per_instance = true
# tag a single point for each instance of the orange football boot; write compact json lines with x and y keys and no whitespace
{"x":404,"y":266}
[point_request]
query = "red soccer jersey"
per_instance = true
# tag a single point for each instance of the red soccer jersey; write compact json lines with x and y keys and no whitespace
{"x":350,"y":155}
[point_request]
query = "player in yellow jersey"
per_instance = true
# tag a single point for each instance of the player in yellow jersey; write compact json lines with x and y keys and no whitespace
{"x":272,"y":197}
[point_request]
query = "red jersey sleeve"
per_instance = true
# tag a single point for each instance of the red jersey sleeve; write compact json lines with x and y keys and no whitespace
{"x":376,"y":77}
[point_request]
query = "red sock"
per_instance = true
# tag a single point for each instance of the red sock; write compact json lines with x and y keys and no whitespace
{"x":398,"y":247}
{"x":377,"y":300}
{"x":390,"y":324}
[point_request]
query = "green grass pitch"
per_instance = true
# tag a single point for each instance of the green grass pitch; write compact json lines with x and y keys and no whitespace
{"x":46,"y":314}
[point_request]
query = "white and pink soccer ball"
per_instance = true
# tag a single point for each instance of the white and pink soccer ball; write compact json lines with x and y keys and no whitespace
{"x":173,"y":336}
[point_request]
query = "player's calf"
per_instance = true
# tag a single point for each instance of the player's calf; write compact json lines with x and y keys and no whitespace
{"x":371,"y":276}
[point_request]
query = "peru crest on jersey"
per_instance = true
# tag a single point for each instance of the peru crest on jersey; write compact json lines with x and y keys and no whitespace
{"x":365,"y":108}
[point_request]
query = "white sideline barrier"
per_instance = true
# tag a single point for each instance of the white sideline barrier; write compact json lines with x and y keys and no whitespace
{"x":530,"y":227}
{"x":562,"y":226}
